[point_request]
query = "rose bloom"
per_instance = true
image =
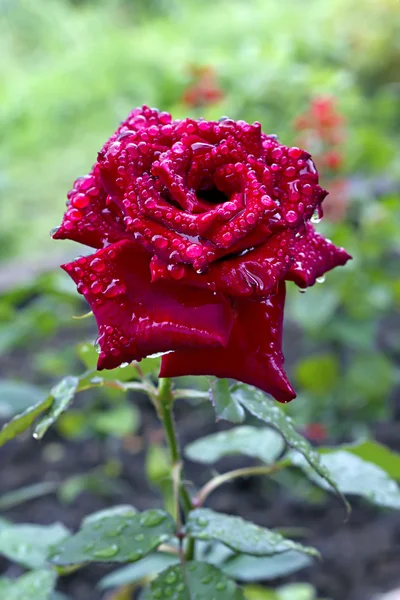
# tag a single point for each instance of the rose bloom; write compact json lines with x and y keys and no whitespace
{"x":197,"y":226}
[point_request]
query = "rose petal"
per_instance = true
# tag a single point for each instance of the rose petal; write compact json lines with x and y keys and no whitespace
{"x":136,"y":317}
{"x":253,"y":354}
{"x":255,"y":272}
{"x":314,"y":256}
{"x":89,"y":219}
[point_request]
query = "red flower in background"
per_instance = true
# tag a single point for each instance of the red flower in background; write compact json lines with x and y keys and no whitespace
{"x":197,"y":225}
{"x":204,"y":90}
{"x":322,"y":129}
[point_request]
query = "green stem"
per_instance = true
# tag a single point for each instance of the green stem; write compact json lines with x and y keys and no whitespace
{"x":164,"y":404}
{"x":219,"y":480}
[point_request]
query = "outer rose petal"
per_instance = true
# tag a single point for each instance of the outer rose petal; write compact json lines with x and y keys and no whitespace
{"x":314,"y":256}
{"x":88,"y":219}
{"x":253,"y":354}
{"x":136,"y":317}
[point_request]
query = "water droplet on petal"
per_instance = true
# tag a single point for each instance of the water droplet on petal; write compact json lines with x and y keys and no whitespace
{"x":320,"y":279}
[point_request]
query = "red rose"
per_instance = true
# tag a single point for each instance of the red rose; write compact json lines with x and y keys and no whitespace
{"x":198,"y":224}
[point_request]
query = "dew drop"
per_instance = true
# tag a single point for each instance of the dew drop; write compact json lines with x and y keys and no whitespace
{"x":291,"y":216}
{"x":171,"y":577}
{"x":152,"y":519}
{"x":194,"y":251}
{"x":54,"y":231}
{"x":316,"y":218}
{"x":320,"y":279}
{"x":107,"y":552}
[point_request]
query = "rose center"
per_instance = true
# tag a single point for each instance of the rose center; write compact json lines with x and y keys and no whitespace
{"x":213,"y":196}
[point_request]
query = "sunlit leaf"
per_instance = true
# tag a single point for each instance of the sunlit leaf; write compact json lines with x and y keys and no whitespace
{"x":263,"y":443}
{"x":240,"y":535}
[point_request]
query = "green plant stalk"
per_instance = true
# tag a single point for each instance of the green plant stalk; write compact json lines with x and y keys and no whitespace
{"x":164,"y":404}
{"x":219,"y":480}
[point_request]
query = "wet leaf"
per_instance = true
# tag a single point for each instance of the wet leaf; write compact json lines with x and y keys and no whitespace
{"x":263,"y":443}
{"x":256,"y":568}
{"x":149,"y":566}
{"x":268,"y":411}
{"x":373,"y":452}
{"x":61,"y":397}
{"x":37,"y":585}
{"x":119,"y":538}
{"x":23,"y":421}
{"x":240,"y":535}
{"x":353,"y":475}
{"x":226,"y":406}
{"x":194,"y":580}
{"x":28,"y":544}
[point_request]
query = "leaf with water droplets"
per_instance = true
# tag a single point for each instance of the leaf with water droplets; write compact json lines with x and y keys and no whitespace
{"x":263,"y":443}
{"x":193,"y":581}
{"x":37,"y":585}
{"x":28,"y":544}
{"x":148,"y":567}
{"x":125,"y":537}
{"x":226,"y":406}
{"x":353,"y":475}
{"x":257,"y":568}
{"x":62,"y":395}
{"x":268,"y":411}
{"x":23,"y":421}
{"x":240,"y":535}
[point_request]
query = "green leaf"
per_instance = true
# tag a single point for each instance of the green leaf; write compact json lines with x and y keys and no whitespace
{"x":89,"y":357}
{"x":23,"y":421}
{"x":268,"y":411}
{"x":296,"y":591}
{"x":16,"y":397}
{"x":37,"y":585}
{"x":375,"y":453}
{"x":226,"y":406}
{"x":240,"y":535}
{"x":256,"y":568}
{"x":28,"y":544}
{"x":256,"y":592}
{"x":119,"y":421}
{"x":121,"y":538}
{"x":114,"y":511}
{"x":263,"y":443}
{"x":148,"y":567}
{"x":353,"y":475}
{"x":61,"y":397}
{"x":318,"y":374}
{"x":25,"y":493}
{"x":193,"y":581}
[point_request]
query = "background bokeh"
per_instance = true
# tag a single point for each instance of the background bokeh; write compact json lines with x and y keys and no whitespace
{"x":322,"y":74}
